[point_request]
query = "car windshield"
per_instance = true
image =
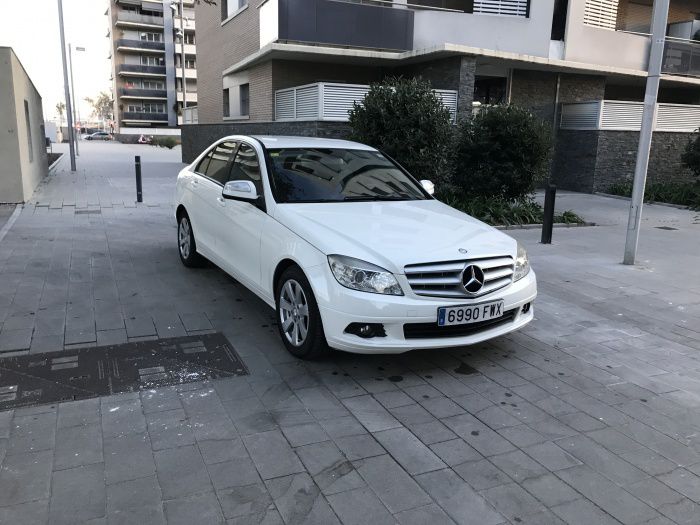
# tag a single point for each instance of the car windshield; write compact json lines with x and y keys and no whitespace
{"x":336,"y":175}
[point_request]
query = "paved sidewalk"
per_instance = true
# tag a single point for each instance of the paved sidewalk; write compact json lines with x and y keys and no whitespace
{"x":590,"y":415}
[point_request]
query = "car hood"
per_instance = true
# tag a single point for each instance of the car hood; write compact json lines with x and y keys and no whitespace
{"x":394,"y":234}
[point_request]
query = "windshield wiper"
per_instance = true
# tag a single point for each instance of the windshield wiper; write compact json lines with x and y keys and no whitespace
{"x":377,"y":198}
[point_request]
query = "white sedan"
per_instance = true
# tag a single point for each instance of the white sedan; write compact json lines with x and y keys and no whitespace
{"x":351,"y":250}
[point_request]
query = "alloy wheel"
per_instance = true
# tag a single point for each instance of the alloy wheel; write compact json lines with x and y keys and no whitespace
{"x":183,"y":237}
{"x":294,"y":312}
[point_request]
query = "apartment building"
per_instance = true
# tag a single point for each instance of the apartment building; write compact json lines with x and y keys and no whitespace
{"x":298,"y":65}
{"x":150,"y":43}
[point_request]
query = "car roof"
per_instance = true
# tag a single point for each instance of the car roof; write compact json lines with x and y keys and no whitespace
{"x":289,"y":141}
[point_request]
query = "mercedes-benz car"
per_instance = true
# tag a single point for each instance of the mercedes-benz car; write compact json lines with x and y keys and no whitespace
{"x":351,"y":251}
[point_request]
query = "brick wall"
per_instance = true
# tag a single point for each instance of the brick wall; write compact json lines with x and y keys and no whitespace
{"x":219,"y":47}
{"x":196,"y":138}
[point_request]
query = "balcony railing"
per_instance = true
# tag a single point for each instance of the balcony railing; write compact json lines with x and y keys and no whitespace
{"x":143,"y":93}
{"x":681,"y":57}
{"x":621,"y":115}
{"x":141,"y":44}
{"x":336,"y":23}
{"x":140,"y":115}
{"x":136,"y":18}
{"x":138,"y":68}
{"x":331,"y":101}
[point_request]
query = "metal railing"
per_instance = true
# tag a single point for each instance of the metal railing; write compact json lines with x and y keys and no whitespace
{"x":141,"y":44}
{"x":138,"y":68}
{"x":190,"y":115}
{"x":143,"y":93}
{"x":136,"y":18}
{"x":622,"y":115}
{"x":142,"y":115}
{"x":681,"y":57}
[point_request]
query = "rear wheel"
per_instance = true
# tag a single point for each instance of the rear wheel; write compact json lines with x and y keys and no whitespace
{"x":187,"y":247}
{"x":298,"y":318}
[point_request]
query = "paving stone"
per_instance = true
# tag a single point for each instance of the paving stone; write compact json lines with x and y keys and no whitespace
{"x":432,"y":432}
{"x":654,"y":493}
{"x":128,"y":457}
{"x":478,"y":435}
{"x":330,"y":469}
{"x":396,"y":489}
{"x":518,"y":465}
{"x":370,"y":413}
{"x":122,"y":416}
{"x":432,"y":514}
{"x":686,"y":511}
{"x":512,"y":501}
{"x":299,"y":500}
{"x":251,"y":500}
{"x":135,"y":501}
{"x":160,"y":400}
{"x":583,"y":512}
{"x":299,"y":435}
{"x":202,"y":401}
{"x":393,"y":399}
{"x":442,"y":407}
{"x":77,"y":494}
{"x":522,"y":436}
{"x":169,"y":429}
{"x":236,"y":472}
{"x":25,"y":477}
{"x":32,"y":433}
{"x":684,"y":482}
{"x":359,"y":447}
{"x":455,"y":452}
{"x":197,"y":508}
{"x":212,"y":426}
{"x":482,"y":474}
{"x":408,"y":450}
{"x":272,"y":455}
{"x":29,"y":513}
{"x":551,"y":456}
{"x":550,"y":490}
{"x":77,"y":446}
{"x":79,"y":413}
{"x":460,"y":502}
{"x":342,"y":427}
{"x":360,"y":507}
{"x":181,"y":472}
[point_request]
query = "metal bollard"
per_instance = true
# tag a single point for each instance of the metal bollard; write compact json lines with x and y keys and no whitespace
{"x":139,"y":192}
{"x":548,"y":219}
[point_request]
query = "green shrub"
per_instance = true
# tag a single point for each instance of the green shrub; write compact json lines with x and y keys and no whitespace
{"x":681,"y":193}
{"x":503,"y":151}
{"x":166,"y":142}
{"x":691,"y":155}
{"x":406,"y":120}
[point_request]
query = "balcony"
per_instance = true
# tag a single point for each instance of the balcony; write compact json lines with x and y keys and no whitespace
{"x":138,"y":69}
{"x":143,"y":93}
{"x":191,"y":96}
{"x":336,"y":23}
{"x":681,"y":57}
{"x":140,"y":45}
{"x":142,"y":116}
{"x":126,"y":18}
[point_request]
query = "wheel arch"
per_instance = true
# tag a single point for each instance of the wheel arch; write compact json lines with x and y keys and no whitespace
{"x":279,"y":270}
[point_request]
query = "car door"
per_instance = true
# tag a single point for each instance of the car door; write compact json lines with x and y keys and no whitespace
{"x":206,"y":186}
{"x":241,"y":223}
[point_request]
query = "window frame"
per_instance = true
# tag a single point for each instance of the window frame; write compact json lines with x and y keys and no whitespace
{"x":262,"y":161}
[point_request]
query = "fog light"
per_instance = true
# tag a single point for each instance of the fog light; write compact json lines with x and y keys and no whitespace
{"x":366,"y":330}
{"x":526,"y":307}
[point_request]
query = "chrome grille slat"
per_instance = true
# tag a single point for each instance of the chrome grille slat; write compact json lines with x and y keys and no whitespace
{"x":444,"y":279}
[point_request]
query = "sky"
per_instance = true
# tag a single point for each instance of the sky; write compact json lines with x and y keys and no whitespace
{"x":30,"y":27}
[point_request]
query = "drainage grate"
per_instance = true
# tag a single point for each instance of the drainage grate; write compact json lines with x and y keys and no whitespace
{"x":665,"y":228}
{"x":92,"y":372}
{"x":88,"y":212}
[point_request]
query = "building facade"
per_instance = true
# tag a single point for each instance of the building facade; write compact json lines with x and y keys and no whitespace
{"x":299,"y":64}
{"x":150,"y":43}
{"x":22,"y":142}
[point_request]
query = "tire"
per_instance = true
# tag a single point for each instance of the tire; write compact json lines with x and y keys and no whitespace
{"x":292,"y":317}
{"x":186,"y":245}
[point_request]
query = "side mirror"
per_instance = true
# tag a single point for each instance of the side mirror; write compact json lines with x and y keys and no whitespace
{"x":240,"y":190}
{"x":428,"y":186}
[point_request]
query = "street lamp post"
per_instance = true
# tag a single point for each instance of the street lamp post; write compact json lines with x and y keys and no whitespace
{"x":182,"y":54}
{"x":66,"y":89}
{"x":76,"y":111}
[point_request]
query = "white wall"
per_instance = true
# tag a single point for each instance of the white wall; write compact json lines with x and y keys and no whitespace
{"x":529,"y":36}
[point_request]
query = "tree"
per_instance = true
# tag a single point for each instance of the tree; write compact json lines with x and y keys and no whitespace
{"x":408,"y":121}
{"x":102,"y":106}
{"x":503,"y":151}
{"x":60,"y":109}
{"x":691,"y":155}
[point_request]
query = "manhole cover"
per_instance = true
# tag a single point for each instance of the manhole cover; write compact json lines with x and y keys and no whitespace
{"x":92,"y":372}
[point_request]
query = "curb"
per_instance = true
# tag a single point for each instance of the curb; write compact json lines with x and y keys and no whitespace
{"x":536,"y":226}
{"x":10,"y":222}
{"x":53,"y":166}
{"x":623,"y":198}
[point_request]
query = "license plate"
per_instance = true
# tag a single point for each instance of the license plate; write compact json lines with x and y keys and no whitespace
{"x":472,"y":313}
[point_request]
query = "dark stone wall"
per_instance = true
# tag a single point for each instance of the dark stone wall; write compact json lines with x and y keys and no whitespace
{"x":197,"y":137}
{"x":574,"y":161}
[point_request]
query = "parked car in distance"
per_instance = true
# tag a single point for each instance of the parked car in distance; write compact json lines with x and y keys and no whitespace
{"x":352,"y":251}
{"x":98,"y":135}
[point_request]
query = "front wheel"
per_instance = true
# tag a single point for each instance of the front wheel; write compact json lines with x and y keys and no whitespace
{"x":298,"y":318}
{"x":187,"y":247}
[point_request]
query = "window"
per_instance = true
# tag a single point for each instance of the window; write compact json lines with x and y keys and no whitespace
{"x":244,"y":97}
{"x":153,"y":84}
{"x":149,"y":60}
{"x":220,"y":162}
{"x":29,"y":131}
{"x":189,"y":38}
{"x":336,"y":175}
{"x":151,"y":37}
{"x":190,"y":63}
{"x":133,"y":108}
{"x":227,"y":103}
{"x":247,"y":167}
{"x":153,"y":107}
{"x":230,"y":7}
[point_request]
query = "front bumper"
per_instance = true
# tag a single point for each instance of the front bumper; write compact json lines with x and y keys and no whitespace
{"x":340,"y":306}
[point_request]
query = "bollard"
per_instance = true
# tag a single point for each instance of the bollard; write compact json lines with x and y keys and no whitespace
{"x":139,"y":192}
{"x":548,"y":219}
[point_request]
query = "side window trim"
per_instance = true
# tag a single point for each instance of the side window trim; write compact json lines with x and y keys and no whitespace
{"x":261,"y":201}
{"x":208,"y":156}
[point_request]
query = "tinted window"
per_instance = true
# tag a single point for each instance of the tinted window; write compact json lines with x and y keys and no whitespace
{"x":220,"y":161}
{"x":332,"y":175}
{"x":247,"y":167}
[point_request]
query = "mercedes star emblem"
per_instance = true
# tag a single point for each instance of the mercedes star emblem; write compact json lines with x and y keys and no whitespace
{"x":473,"y":279}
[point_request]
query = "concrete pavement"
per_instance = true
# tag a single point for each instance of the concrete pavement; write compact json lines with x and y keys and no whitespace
{"x":590,"y":415}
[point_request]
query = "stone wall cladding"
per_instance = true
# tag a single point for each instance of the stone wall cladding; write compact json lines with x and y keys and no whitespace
{"x":574,"y":162}
{"x":219,"y":47}
{"x":196,"y":138}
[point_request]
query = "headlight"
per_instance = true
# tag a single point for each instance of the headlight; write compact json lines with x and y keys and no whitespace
{"x":363,"y":276}
{"x":522,"y":265}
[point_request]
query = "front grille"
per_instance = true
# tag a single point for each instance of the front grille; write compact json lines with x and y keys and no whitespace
{"x":444,"y":279}
{"x":432,"y":330}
